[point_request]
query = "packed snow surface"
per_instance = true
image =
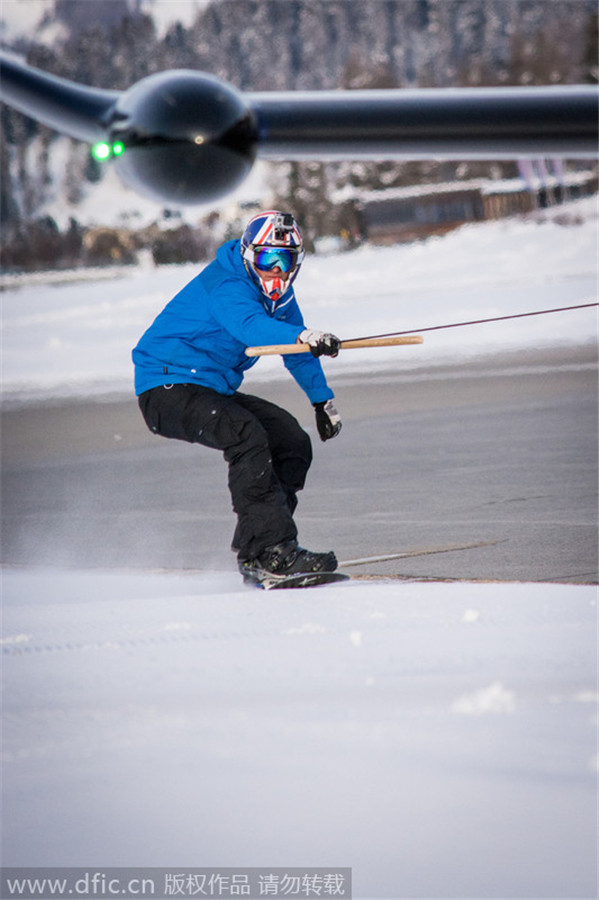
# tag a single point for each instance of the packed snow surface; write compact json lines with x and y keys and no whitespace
{"x":439,"y":739}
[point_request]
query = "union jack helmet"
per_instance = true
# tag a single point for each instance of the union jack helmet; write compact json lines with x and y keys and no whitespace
{"x":272,"y":239}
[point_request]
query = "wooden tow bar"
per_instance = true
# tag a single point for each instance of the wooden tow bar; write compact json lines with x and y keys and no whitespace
{"x":285,"y":349}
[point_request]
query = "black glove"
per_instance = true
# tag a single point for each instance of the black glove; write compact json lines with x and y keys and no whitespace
{"x":328,"y":420}
{"x":321,"y":343}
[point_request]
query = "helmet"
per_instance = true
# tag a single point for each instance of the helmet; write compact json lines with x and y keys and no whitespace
{"x":272,"y":239}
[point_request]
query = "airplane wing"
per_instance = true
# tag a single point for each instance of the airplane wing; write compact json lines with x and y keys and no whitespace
{"x":189,"y":137}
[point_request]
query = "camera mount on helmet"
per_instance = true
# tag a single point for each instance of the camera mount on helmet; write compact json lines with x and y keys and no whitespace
{"x":283,"y":225}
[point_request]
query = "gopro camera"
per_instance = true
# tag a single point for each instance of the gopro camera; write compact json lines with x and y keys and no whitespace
{"x":283,"y":225}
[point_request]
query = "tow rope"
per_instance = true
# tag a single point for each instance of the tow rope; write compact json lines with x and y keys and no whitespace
{"x":541,"y":312}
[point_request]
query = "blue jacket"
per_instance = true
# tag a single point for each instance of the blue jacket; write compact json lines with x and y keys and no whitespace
{"x":201,"y":335}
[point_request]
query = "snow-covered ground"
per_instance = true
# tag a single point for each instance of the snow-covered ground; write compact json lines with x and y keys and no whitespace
{"x":439,"y":739}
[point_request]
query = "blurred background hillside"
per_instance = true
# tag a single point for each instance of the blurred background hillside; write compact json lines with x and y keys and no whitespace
{"x":61,"y":208}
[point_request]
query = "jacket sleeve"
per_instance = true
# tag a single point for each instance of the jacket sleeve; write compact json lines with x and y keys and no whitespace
{"x":235,"y":308}
{"x":308,"y":373}
{"x":306,"y":369}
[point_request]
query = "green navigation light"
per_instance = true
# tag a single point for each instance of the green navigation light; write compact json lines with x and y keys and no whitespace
{"x":101,"y":151}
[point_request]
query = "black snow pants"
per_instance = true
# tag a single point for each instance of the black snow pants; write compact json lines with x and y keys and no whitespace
{"x":268,"y":453}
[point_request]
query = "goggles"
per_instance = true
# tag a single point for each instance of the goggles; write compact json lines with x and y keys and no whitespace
{"x":266,"y":258}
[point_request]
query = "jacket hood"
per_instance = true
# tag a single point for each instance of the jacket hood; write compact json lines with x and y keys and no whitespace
{"x":229,"y":256}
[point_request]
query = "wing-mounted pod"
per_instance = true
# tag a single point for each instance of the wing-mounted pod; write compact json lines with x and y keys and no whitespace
{"x":185,"y":136}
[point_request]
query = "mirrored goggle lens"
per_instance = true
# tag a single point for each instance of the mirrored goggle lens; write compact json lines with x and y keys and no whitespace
{"x":266,"y":258}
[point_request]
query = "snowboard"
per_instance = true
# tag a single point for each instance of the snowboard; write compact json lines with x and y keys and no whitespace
{"x":301,"y":580}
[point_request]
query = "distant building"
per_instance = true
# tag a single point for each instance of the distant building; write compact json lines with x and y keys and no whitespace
{"x":408,"y":213}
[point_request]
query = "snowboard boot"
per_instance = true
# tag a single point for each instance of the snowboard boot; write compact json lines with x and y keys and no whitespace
{"x":279,"y":562}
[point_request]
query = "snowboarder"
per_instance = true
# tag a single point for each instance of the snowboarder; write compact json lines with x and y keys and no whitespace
{"x":191,"y":361}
